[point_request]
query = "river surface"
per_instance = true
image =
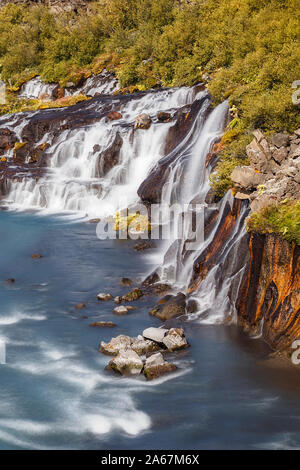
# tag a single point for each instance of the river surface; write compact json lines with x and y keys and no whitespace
{"x":54,"y":392}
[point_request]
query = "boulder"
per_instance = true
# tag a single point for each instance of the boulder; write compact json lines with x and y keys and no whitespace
{"x":102,"y":296}
{"x":175,"y":340}
{"x":109,"y":157}
{"x":103,"y":324}
{"x":115,"y":345}
{"x":36,"y":256}
{"x":135,"y":294}
{"x":156,"y":366}
{"x":280,"y":154}
{"x":143,"y":346}
{"x":80,"y":306}
{"x":155,"y":334}
{"x":143,"y":121}
{"x":125,"y":281}
{"x":121,"y":310}
{"x":280,"y":140}
{"x":258,"y":158}
{"x":246,"y":177}
{"x":170,"y":306}
{"x":127,"y":362}
{"x":262,"y":201}
{"x":162,"y":116}
{"x":114,"y":115}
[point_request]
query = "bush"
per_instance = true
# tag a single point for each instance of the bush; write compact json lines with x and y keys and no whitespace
{"x":283,"y":219}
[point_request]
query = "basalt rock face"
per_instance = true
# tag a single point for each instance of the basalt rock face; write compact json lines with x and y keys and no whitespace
{"x":269,"y":295}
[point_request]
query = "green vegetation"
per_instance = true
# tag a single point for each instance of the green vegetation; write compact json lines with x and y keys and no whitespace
{"x":283,"y":219}
{"x":248,"y":51}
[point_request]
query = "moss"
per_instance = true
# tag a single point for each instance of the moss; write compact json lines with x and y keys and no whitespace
{"x":283,"y":219}
{"x":135,"y":294}
{"x":19,"y":145}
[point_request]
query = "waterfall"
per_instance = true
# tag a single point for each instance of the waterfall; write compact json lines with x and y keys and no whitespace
{"x":75,"y":180}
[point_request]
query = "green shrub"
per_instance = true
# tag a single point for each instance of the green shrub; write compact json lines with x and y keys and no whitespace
{"x":283,"y":219}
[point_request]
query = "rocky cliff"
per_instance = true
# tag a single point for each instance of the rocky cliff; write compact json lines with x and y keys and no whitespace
{"x":269,"y":295}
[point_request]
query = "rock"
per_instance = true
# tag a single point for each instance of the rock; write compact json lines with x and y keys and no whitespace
{"x":156,"y":359}
{"x":114,"y":115}
{"x":127,"y":362}
{"x":280,"y":140}
{"x":80,"y":306}
{"x":242,"y":196}
{"x":135,"y":294}
{"x":144,"y":245}
{"x":170,"y":306}
{"x":121,"y":310}
{"x":297,"y":132}
{"x":103,"y":324}
{"x":143,"y":346}
{"x":163,"y":116}
{"x":7,"y":140}
{"x":36,"y":256}
{"x":150,"y":280}
{"x":109,"y":157}
{"x":246,"y":177}
{"x":115,"y":345}
{"x":104,"y":297}
{"x":143,"y":121}
{"x":125,"y":281}
{"x":94,"y":221}
{"x":280,"y":154}
{"x":295,"y":151}
{"x":258,"y":158}
{"x":156,"y":366}
{"x":118,"y":299}
{"x":262,"y":201}
{"x":155,"y":334}
{"x":175,"y":340}
{"x":21,"y":151}
{"x":11,"y":280}
{"x":258,"y":134}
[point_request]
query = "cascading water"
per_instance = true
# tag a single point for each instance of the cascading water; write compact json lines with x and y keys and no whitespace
{"x":75,"y":179}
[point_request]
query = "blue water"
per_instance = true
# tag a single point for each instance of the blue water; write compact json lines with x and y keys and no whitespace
{"x":54,"y":393}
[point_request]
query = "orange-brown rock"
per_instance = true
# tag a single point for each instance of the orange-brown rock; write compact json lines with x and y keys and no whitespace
{"x":270,"y":290}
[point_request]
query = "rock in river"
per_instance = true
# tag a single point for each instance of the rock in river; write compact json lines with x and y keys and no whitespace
{"x":115,"y":345}
{"x":103,"y":296}
{"x":175,"y":340}
{"x":155,"y":334}
{"x":127,"y":362}
{"x":156,"y":366}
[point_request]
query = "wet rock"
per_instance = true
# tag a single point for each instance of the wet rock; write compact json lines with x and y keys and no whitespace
{"x":155,"y":334}
{"x":80,"y":306}
{"x":7,"y":140}
{"x":151,"y":279}
{"x":11,"y":280}
{"x":21,"y":151}
{"x":122,"y":310}
{"x":102,"y":296}
{"x":163,"y":116}
{"x":36,"y":256}
{"x":115,"y":345}
{"x":109,"y":157}
{"x":135,"y":294}
{"x":170,"y":306}
{"x":144,"y":245}
{"x":175,"y":339}
{"x":156,"y":366}
{"x":118,"y":299}
{"x":143,"y":346}
{"x":127,"y":362}
{"x":114,"y":115}
{"x":125,"y":281}
{"x":143,"y":121}
{"x":103,"y":324}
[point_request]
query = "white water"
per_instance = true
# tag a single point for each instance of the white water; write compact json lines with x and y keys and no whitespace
{"x":35,"y":88}
{"x":73,"y":184}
